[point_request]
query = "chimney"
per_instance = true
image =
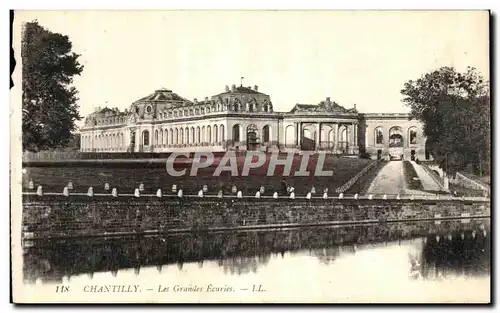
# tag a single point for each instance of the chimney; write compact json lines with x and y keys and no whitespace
{"x":233,"y":88}
{"x":206,"y":99}
{"x":328,"y":100}
{"x":354,"y":106}
{"x":256,"y":88}
{"x":227,"y":88}
{"x":195,"y":100}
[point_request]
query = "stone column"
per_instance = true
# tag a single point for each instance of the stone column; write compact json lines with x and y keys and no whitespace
{"x":367,"y":137}
{"x":318,"y":136}
{"x":137,"y":139}
{"x":355,"y":140}
{"x":296,"y":134}
{"x":355,"y":134}
{"x":386,"y":140}
{"x":335,"y":128}
{"x":300,"y":135}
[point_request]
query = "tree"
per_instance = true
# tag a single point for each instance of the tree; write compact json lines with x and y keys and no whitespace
{"x":455,"y":110}
{"x":49,"y":101}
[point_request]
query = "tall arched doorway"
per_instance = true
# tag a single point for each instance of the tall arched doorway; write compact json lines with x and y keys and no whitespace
{"x":396,"y":142}
{"x":343,"y":139}
{"x":236,"y":133}
{"x":132,"y":141}
{"x":308,"y":138}
{"x":252,"y":137}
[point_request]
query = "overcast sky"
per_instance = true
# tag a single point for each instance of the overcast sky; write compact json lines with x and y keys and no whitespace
{"x":295,"y":57}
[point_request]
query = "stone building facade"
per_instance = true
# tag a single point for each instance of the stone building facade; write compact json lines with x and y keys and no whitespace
{"x":243,"y":118}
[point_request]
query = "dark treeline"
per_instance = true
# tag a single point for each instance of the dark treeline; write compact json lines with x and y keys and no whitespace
{"x":455,"y":110}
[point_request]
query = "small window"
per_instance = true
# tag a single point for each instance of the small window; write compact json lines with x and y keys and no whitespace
{"x":149,"y":109}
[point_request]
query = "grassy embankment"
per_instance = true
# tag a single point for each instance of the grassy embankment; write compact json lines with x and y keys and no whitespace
{"x":364,"y":182}
{"x":54,"y":179}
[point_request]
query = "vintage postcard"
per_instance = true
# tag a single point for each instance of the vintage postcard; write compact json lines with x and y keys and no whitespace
{"x":251,"y":157}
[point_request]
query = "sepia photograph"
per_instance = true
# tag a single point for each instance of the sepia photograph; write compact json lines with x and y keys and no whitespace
{"x":251,"y":156}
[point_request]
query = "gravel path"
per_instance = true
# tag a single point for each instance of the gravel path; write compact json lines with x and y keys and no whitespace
{"x":390,"y":180}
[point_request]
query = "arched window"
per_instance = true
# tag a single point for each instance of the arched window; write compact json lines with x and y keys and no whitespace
{"x":412,"y":136}
{"x":265,"y":133}
{"x":236,"y":133}
{"x":221,"y":130}
{"x":379,"y":136}
{"x":181,"y":136}
{"x":203,"y":137}
{"x":209,"y":134}
{"x":145,"y":138}
{"x":156,"y":137}
{"x":198,"y":134}
{"x":161,"y":137}
{"x":187,"y":135}
{"x":193,"y":135}
{"x":216,"y":134}
{"x":265,"y":106}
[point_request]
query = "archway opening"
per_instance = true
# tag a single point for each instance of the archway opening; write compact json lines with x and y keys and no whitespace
{"x":145,"y":138}
{"x":308,"y":138}
{"x":132,"y":141}
{"x":396,"y":143}
{"x":395,"y":137}
{"x":343,"y":141}
{"x":265,"y":134}
{"x":252,"y":137}
{"x":236,"y":133}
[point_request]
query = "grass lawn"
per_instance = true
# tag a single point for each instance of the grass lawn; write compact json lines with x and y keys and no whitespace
{"x":54,"y":179}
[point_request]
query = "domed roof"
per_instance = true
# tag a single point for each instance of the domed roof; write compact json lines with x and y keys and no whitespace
{"x":162,"y":94}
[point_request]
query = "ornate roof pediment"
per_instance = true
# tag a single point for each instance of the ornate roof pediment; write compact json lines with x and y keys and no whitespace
{"x":322,"y":107}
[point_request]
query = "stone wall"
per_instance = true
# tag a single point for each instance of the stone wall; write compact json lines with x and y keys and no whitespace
{"x":59,"y":216}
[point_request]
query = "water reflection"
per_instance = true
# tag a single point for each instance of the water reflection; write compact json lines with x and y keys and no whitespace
{"x":438,"y":250}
